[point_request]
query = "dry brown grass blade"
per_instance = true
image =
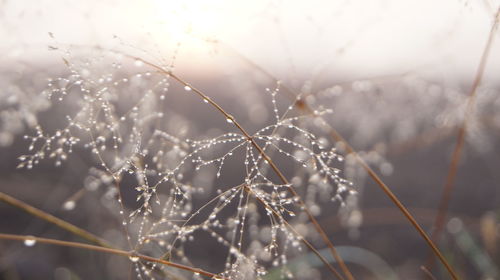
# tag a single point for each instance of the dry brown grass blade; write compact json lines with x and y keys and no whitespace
{"x":462,"y":132}
{"x":107,"y":250}
{"x":53,"y":220}
{"x":397,"y":202}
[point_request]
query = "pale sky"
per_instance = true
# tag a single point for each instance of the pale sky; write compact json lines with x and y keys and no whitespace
{"x":288,"y":38}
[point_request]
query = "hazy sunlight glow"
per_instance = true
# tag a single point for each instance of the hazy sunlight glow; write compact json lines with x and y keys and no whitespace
{"x":190,"y":21}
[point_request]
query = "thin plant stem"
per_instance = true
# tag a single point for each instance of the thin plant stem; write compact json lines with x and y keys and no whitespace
{"x":53,"y":220}
{"x":119,"y":192}
{"x":427,"y":273}
{"x":118,"y":252}
{"x":396,"y":201}
{"x":462,"y":132}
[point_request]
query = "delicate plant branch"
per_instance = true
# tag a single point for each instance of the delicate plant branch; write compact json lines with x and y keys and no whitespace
{"x":307,"y":243}
{"x":230,"y":119}
{"x":53,"y":220}
{"x":280,"y":217}
{"x":462,"y":131}
{"x":92,"y":238}
{"x":291,"y":189}
{"x":302,"y":105}
{"x":131,"y":255}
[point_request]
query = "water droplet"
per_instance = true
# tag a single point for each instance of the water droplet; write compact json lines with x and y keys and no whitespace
{"x":69,"y":205}
{"x":138,"y":63}
{"x":187,"y":88}
{"x":229,"y":120}
{"x":133,"y":257}
{"x":30,"y":241}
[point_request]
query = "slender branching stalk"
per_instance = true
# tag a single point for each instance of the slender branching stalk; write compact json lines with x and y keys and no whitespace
{"x":307,"y":243}
{"x":302,"y":105}
{"x":96,"y":240}
{"x":284,"y":180}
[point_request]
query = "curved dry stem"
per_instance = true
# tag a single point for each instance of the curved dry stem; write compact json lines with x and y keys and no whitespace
{"x":107,"y":250}
{"x":53,"y":220}
{"x":462,"y":132}
{"x":396,"y":201}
